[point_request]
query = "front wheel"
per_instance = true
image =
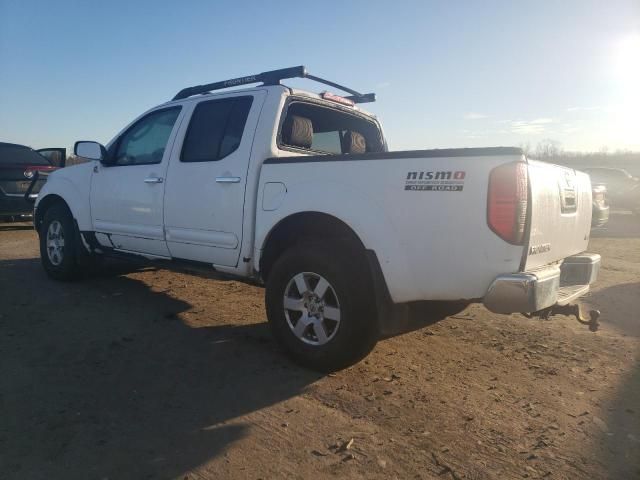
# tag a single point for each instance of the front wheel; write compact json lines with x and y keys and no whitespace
{"x":58,"y":244}
{"x":321,"y":307}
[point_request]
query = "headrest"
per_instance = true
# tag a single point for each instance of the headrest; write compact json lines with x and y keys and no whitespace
{"x":297,"y":131}
{"x":353,"y":142}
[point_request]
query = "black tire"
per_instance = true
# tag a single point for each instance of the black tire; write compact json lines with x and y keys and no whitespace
{"x":64,"y":265}
{"x":346,"y":271}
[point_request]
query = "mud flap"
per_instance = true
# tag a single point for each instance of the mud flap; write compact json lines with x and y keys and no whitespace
{"x":396,"y":319}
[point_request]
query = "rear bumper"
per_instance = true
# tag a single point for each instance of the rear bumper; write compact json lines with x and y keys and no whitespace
{"x":528,"y":292}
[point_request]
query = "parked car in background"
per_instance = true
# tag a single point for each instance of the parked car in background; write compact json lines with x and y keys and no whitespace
{"x":600,"y":206}
{"x":18,"y":166}
{"x":623,"y":189}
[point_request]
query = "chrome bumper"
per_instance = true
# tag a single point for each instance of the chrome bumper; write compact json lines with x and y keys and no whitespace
{"x":532,"y":291}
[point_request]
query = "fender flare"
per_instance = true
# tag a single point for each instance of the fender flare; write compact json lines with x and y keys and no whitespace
{"x":63,"y":189}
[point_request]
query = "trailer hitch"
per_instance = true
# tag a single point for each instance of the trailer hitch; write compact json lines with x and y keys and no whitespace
{"x":569,"y":310}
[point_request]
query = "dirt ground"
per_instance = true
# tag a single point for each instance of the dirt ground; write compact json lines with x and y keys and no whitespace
{"x":145,"y":374}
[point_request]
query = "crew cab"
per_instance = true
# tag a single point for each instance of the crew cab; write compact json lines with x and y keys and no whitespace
{"x":298,"y":191}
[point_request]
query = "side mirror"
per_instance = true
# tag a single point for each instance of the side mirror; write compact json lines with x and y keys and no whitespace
{"x":90,"y":150}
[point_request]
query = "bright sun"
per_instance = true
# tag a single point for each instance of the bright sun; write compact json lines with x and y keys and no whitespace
{"x":627,"y":60}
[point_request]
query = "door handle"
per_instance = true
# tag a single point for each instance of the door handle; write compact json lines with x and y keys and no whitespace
{"x":153,"y":180}
{"x":228,"y":179}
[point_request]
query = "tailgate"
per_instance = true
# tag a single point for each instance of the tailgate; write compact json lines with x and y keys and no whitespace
{"x":560,"y":219}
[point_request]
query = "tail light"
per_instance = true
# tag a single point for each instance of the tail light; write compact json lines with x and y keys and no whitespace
{"x":507,"y":202}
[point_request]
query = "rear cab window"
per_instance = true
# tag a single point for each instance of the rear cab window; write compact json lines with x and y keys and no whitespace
{"x":316,"y":127}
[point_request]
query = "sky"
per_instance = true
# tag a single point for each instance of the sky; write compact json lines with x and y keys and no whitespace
{"x":447,"y":74}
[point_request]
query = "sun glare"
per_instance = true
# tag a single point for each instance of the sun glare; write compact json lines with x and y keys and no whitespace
{"x":623,"y":120}
{"x":627,"y":60}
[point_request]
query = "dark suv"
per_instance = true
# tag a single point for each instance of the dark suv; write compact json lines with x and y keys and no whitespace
{"x":623,"y":189}
{"x":18,"y":165}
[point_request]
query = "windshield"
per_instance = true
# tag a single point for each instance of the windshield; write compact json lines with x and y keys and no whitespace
{"x":20,"y":155}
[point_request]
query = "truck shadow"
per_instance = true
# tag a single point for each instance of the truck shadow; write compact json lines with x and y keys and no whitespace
{"x":619,"y":307}
{"x":103,"y":379}
{"x":618,"y":447}
{"x":424,"y":314}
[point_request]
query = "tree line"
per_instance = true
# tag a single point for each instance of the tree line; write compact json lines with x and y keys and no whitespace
{"x":549,"y":150}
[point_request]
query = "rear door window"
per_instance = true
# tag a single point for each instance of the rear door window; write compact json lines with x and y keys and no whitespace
{"x":215,"y":130}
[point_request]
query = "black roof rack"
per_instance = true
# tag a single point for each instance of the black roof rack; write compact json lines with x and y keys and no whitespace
{"x":273,"y":78}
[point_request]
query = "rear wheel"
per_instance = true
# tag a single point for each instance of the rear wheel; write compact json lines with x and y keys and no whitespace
{"x":321,"y":307}
{"x":58,"y":244}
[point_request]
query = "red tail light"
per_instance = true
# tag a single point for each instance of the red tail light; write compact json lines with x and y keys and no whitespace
{"x":507,"y":203}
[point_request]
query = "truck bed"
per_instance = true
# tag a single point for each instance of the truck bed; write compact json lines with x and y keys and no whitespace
{"x":436,"y":201}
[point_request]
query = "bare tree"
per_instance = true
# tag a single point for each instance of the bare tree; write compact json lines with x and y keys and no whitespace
{"x":526,"y":148}
{"x":548,"y":149}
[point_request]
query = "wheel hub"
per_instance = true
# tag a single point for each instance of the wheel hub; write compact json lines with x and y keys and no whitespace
{"x":311,"y":308}
{"x":314,"y":305}
{"x":55,"y":243}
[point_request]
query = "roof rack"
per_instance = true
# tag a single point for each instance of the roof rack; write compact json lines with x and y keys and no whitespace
{"x":273,"y":78}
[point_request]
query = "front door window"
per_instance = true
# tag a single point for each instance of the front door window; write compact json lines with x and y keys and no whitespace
{"x":145,"y":141}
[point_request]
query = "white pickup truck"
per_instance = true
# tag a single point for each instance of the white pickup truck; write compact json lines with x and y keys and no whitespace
{"x":297,"y":190}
